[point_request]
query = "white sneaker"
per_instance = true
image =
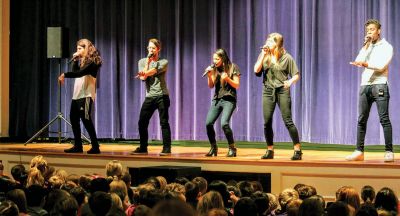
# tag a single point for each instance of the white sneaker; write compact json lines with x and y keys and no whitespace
{"x":389,"y":156}
{"x":356,"y":156}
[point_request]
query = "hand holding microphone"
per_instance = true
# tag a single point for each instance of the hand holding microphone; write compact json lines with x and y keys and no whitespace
{"x":208,"y":69}
{"x":367,"y":39}
{"x":75,"y":56}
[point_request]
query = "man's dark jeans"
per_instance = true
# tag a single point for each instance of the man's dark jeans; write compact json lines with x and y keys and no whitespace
{"x":368,"y":94}
{"x":149,"y":106}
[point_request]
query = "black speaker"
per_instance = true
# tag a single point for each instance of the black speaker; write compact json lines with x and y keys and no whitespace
{"x":57,"y":40}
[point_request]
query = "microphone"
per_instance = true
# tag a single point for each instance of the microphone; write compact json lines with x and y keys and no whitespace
{"x":150,"y":55}
{"x":73,"y":58}
{"x":206,"y":71}
{"x":366,"y":40}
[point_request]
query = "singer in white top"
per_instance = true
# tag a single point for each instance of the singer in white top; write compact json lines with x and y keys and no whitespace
{"x":374,"y":57}
{"x":86,"y":64}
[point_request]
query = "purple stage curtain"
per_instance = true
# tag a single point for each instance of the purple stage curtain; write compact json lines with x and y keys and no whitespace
{"x":322,"y":36}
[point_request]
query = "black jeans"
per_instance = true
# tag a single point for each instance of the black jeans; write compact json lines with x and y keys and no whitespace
{"x":368,"y":94}
{"x":217,"y":107}
{"x":280,"y":96}
{"x":149,"y":106}
{"x":81,"y":109}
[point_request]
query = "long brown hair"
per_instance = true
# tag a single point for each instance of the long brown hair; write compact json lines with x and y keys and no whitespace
{"x":91,"y":54}
{"x":279,"y":51}
{"x":226,"y":62}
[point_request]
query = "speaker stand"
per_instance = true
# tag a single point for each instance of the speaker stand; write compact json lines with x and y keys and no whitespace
{"x":58,"y":117}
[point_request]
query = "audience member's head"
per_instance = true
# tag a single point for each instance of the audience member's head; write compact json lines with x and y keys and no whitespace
{"x":349,"y":195}
{"x":368,"y":194}
{"x":19,"y":198}
{"x":154,"y":181}
{"x":8,"y":208}
{"x":202,"y":182}
{"x":181,"y":180}
{"x":173,"y":208}
{"x":210,"y":200}
{"x":222,"y":188}
{"x":292,"y":208}
{"x":191,"y":192}
{"x":100,"y":203}
{"x":34,"y":195}
{"x":312,"y":206}
{"x":54,"y":196}
{"x":99,"y":184}
{"x":35,"y":177}
{"x":19,"y":174}
{"x":338,"y":208}
{"x":217,"y":212}
{"x":65,"y":206}
{"x":40,"y":163}
{"x":246,"y":188}
{"x":306,"y":191}
{"x":257,"y":186}
{"x":114,"y":169}
{"x":287,"y":196}
{"x":387,"y":200}
{"x":142,"y":210}
{"x":261,"y":200}
{"x":177,"y":189}
{"x":273,"y":204}
{"x":245,"y":207}
{"x":149,"y":196}
{"x":162,"y":181}
{"x":80,"y":195}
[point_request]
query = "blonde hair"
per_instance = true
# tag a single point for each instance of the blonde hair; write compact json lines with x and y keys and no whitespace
{"x":210,"y":200}
{"x":114,"y":169}
{"x":279,"y":51}
{"x":162,"y":181}
{"x":116,"y":201}
{"x":40,"y":163}
{"x":34,"y":177}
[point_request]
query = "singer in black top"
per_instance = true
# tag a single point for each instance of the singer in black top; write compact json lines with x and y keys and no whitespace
{"x":86,"y":63}
{"x":276,"y":65}
{"x":225,"y":77}
{"x":152,"y":70}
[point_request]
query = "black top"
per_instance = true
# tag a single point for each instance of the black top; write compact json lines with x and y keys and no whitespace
{"x":89,"y":69}
{"x":226,"y":91}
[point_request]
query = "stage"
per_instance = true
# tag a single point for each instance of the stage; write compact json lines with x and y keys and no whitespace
{"x":326,"y":170}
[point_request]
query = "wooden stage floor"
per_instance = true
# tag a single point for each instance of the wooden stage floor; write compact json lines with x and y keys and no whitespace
{"x":327,"y":170}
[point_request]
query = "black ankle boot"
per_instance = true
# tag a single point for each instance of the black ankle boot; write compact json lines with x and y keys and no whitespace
{"x":232,"y":151}
{"x":74,"y":149}
{"x":268,"y":155}
{"x":297,"y":155}
{"x":213,"y":151}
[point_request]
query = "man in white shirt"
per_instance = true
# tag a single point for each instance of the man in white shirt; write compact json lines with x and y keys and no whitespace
{"x":374,"y":57}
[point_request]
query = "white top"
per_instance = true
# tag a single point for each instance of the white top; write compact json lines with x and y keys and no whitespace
{"x":378,"y":57}
{"x":84,"y":87}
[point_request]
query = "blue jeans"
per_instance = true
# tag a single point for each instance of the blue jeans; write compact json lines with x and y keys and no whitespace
{"x":280,"y":96}
{"x":368,"y":94}
{"x":217,"y":107}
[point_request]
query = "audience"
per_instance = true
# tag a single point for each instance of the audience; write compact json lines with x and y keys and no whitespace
{"x":44,"y":190}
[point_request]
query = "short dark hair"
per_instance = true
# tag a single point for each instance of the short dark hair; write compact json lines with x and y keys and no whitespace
{"x":373,"y":21}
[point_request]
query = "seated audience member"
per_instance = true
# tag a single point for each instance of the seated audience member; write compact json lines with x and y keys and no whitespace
{"x":222,"y":188}
{"x":100,"y":203}
{"x":217,"y":212}
{"x":257,"y":186}
{"x":262,"y":202}
{"x":34,"y":198}
{"x":367,"y":194}
{"x":114,"y":169}
{"x":246,"y":188}
{"x":19,"y":198}
{"x":306,"y":191}
{"x":292,"y":208}
{"x":338,"y":208}
{"x":286,"y":196}
{"x":312,"y":206}
{"x":210,"y":200}
{"x":192,"y":194}
{"x":80,"y":195}
{"x":202,"y":182}
{"x":350,"y":196}
{"x":245,"y":207}
{"x":181,"y":180}
{"x":387,"y":200}
{"x":173,"y":208}
{"x":162,"y":181}
{"x":19,"y":174}
{"x":274,"y":206}
{"x":8,"y":208}
{"x":367,"y":209}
